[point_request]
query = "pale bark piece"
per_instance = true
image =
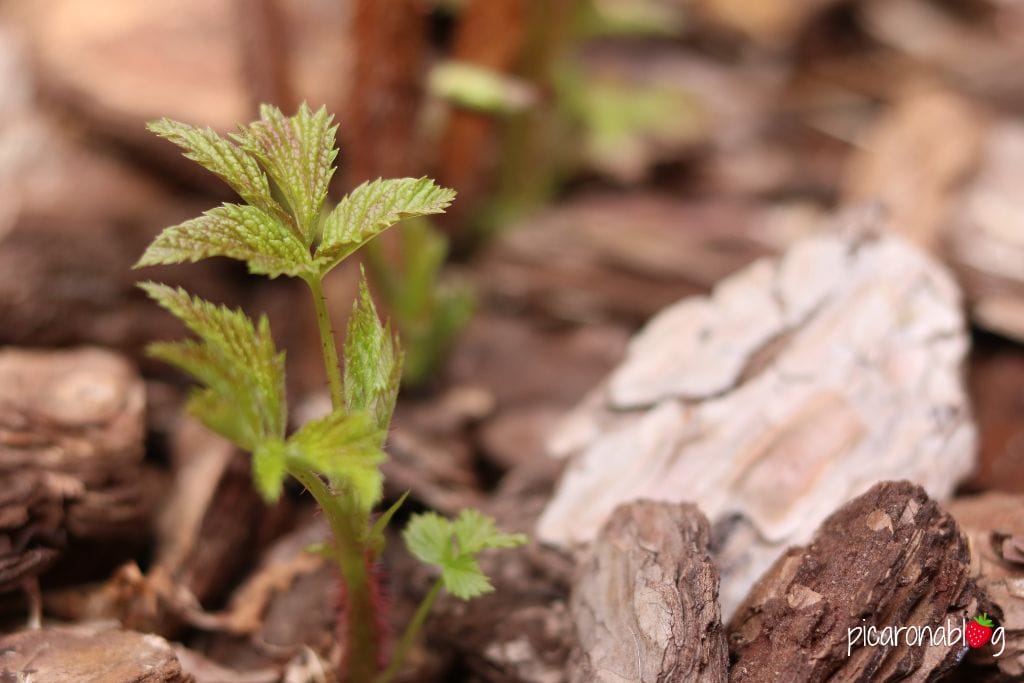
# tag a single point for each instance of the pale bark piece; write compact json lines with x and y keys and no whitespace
{"x":910,"y":163}
{"x":985,"y":243}
{"x":796,"y":385}
{"x":645,"y":602}
{"x":994,"y":524}
{"x":890,"y":557}
{"x":89,"y":654}
{"x":71,"y":445}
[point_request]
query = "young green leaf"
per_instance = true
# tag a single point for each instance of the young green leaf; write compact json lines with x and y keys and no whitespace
{"x":373,"y":362}
{"x":240,"y":232}
{"x":298,"y":152}
{"x":453,"y":546}
{"x":376,"y":537}
{"x":347,"y":448}
{"x":475,"y":531}
{"x":269,"y":465}
{"x":428,"y":310}
{"x":372,"y":208}
{"x":226,"y":160}
{"x":236,"y":361}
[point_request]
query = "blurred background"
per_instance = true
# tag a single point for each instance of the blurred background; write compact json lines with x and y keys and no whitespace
{"x":611,"y":157}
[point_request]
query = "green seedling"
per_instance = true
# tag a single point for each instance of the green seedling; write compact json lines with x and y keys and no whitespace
{"x":281,"y":167}
{"x":428,"y":310}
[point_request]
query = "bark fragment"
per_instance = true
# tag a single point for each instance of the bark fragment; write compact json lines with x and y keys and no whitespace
{"x":71,"y":432}
{"x":88,"y":653}
{"x":798,"y":383}
{"x":888,"y":558}
{"x":646,"y":600}
{"x":994,"y":524}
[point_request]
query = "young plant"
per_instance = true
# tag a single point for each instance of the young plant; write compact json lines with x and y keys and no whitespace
{"x":428,"y":310}
{"x":281,"y":166}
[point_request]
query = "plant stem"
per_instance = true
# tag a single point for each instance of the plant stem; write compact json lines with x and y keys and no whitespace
{"x":323,"y":320}
{"x":412,"y":632}
{"x":361,"y":648}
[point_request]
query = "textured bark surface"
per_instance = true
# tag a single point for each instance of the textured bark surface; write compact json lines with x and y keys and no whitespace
{"x":71,"y":433}
{"x":88,"y":653}
{"x":795,"y":386}
{"x":994,"y":524}
{"x":645,"y":602}
{"x":890,"y":557}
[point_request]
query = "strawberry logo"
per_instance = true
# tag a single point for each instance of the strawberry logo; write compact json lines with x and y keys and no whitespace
{"x":978,"y":631}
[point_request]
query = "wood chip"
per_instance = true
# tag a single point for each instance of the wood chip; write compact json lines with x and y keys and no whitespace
{"x":994,"y":524}
{"x":795,"y":625}
{"x":797,"y":384}
{"x":645,"y":602}
{"x":71,"y":436}
{"x":89,"y":653}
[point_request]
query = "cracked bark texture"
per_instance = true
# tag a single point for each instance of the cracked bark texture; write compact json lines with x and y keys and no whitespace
{"x":891,"y":557}
{"x":645,"y":603}
{"x":71,"y":436}
{"x":796,"y":385}
{"x":994,"y":524}
{"x":88,"y":652}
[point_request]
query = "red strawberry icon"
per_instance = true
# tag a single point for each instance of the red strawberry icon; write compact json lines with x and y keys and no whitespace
{"x":978,"y":631}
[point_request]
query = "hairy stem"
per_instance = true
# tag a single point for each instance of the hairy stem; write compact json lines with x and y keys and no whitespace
{"x":323,"y":321}
{"x":362,"y":645}
{"x":412,"y":632}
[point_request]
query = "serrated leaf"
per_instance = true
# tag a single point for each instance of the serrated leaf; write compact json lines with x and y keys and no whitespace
{"x":475,"y":531}
{"x":376,"y":536}
{"x":477,"y":87}
{"x":373,"y":362}
{"x":235,"y":359}
{"x":428,"y":536}
{"x":268,"y":468}
{"x":372,"y":208}
{"x":452,"y":546}
{"x":236,"y":231}
{"x":298,"y":153}
{"x":463,"y":578}
{"x":346,"y":448}
{"x":224,"y":159}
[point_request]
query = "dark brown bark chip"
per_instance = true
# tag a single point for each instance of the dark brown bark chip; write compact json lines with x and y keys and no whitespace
{"x":88,"y":654}
{"x":994,"y":524}
{"x":646,"y":600}
{"x":71,"y":440}
{"x":890,"y":557}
